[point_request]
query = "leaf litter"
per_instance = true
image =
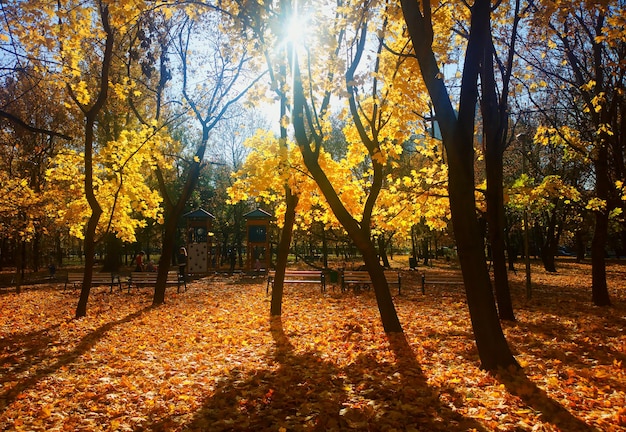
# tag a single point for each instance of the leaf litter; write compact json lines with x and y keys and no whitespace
{"x":212,"y":359}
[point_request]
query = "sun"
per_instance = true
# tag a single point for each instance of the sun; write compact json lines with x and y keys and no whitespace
{"x":296,"y":29}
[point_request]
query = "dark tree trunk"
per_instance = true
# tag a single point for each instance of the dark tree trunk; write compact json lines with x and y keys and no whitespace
{"x":599,"y":288}
{"x":324,"y":246}
{"x":92,"y":224}
{"x":19,"y":266}
{"x":550,"y":243}
{"x":167,"y":251}
{"x":382,"y":251}
{"x":580,"y":245}
{"x":96,"y":210}
{"x":496,"y":119}
{"x":283,"y":253}
{"x":457,"y":133}
{"x":113,"y":257}
{"x":37,"y":251}
{"x":495,"y":218}
{"x":358,"y":231}
{"x":173,"y":213}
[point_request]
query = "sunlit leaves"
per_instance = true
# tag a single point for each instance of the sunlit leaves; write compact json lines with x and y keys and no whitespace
{"x":120,"y":186}
{"x":224,"y":365}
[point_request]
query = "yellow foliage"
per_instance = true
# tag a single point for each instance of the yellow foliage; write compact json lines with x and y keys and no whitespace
{"x":121,"y":168}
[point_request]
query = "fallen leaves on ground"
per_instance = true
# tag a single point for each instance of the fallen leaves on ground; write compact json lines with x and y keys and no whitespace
{"x":212,"y":359}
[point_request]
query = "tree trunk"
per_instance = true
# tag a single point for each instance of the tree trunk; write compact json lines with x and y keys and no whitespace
{"x":283,"y":253}
{"x":324,"y":247}
{"x":580,"y":246}
{"x":167,"y":251}
{"x":599,"y":288}
{"x":19,"y":266}
{"x":90,"y":119}
{"x":359,"y":232}
{"x":457,"y":133}
{"x":92,"y":223}
{"x":382,"y":251}
{"x":550,"y":244}
{"x":113,"y":257}
{"x":495,"y":219}
{"x":173,"y":214}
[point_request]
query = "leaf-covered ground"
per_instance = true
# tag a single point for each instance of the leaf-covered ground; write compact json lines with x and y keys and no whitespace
{"x":211,"y":359}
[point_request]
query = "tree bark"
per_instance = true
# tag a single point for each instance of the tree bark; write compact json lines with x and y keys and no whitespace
{"x":599,"y":289}
{"x":457,"y":134}
{"x":495,"y":220}
{"x":96,"y":210}
{"x":173,"y":213}
{"x":283,"y":253}
{"x":359,"y":232}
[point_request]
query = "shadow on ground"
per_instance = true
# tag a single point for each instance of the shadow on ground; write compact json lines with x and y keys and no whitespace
{"x":301,"y":391}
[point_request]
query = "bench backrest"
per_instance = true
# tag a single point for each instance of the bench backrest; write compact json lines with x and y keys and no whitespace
{"x":151,"y":277}
{"x":78,"y":277}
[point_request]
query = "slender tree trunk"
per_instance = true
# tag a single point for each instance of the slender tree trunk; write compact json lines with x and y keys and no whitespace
{"x":19,"y":266}
{"x":96,"y":210}
{"x":92,"y":224}
{"x":359,"y":232}
{"x":550,"y":244}
{"x":283,"y":253}
{"x":324,"y":247}
{"x":599,"y":288}
{"x":495,"y":219}
{"x":36,"y":251}
{"x":174,"y":212}
{"x":382,"y":252}
{"x":112,"y":260}
{"x":167,"y":251}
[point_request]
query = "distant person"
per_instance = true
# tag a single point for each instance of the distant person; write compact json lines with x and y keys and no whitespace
{"x":139,"y":261}
{"x":150,"y":267}
{"x":182,"y":261}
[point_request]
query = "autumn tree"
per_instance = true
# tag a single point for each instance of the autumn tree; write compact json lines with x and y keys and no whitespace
{"x":457,"y":130}
{"x":375,"y":129}
{"x":229,"y":154}
{"x":584,"y":65}
{"x":31,"y":135}
{"x":77,"y":56}
{"x":210,"y":84}
{"x":64,"y":42}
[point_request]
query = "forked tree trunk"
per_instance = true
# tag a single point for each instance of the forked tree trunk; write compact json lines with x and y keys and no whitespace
{"x":457,"y":133}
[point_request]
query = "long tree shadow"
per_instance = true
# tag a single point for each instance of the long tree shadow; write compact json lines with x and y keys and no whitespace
{"x":298,"y":392}
{"x":414,"y":402}
{"x":64,"y":359}
{"x":304,"y":392}
{"x":518,"y":384}
{"x":19,"y":351}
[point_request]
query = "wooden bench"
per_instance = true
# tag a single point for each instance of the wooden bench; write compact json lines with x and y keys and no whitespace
{"x":298,"y":276}
{"x":441,"y":279}
{"x":362,"y":277}
{"x":149,"y":278}
{"x":76,"y":279}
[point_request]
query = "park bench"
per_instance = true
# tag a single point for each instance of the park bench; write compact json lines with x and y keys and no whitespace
{"x":441,"y":279}
{"x":298,"y":277}
{"x":76,"y":279}
{"x":138,"y":279}
{"x":362,"y":277}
